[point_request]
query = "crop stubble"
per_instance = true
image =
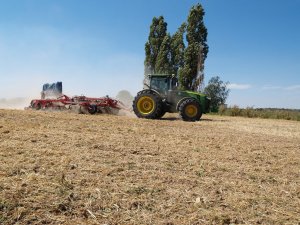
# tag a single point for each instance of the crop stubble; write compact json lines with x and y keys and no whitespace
{"x":64,"y":168}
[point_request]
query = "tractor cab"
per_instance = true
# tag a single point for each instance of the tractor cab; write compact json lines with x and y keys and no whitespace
{"x":163,"y":83}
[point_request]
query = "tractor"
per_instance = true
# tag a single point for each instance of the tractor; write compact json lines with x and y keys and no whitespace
{"x":163,"y":95}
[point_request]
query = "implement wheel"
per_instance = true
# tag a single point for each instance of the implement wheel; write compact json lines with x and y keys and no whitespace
{"x":92,"y":109}
{"x":37,"y":106}
{"x":190,"y":110}
{"x":147,"y":104}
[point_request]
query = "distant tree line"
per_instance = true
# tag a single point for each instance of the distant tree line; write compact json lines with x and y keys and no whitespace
{"x":168,"y":54}
{"x":266,"y":113}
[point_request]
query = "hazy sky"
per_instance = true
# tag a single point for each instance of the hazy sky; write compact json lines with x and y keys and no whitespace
{"x":97,"y":47}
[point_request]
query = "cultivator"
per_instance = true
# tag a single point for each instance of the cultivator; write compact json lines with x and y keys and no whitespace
{"x":79,"y":104}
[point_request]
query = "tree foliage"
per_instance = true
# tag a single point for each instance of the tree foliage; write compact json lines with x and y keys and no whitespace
{"x":177,"y":49}
{"x":158,"y":31}
{"x":168,"y":54}
{"x":163,"y":61}
{"x":196,"y":30}
{"x":196,"y":51}
{"x":189,"y":71}
{"x":217,"y":91}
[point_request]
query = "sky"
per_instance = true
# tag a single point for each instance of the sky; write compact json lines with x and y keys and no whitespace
{"x":96,"y":47}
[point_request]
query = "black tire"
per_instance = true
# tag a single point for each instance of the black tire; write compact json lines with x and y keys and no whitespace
{"x":92,"y":109}
{"x":147,"y":104}
{"x":38,"y":106}
{"x":190,"y":110}
{"x":163,"y":112}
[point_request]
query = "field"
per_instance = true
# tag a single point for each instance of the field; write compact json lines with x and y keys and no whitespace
{"x":65,"y":168}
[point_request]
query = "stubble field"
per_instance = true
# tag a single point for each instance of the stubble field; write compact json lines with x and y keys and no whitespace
{"x":65,"y":168}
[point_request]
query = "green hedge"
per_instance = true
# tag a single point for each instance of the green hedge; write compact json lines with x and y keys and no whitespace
{"x":269,"y":113}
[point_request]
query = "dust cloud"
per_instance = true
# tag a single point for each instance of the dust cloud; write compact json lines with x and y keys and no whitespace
{"x":14,"y":103}
{"x":126,"y":98}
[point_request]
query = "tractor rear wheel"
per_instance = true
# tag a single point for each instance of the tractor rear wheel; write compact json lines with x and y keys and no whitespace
{"x":190,"y":110}
{"x":147,"y":104}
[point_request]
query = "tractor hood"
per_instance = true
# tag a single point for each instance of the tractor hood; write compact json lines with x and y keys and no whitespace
{"x":192,"y":93}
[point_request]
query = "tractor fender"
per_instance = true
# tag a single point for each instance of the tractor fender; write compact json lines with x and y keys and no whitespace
{"x":150,"y":90}
{"x":181,"y":100}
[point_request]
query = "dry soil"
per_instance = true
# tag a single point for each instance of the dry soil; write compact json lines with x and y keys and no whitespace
{"x":65,"y":168}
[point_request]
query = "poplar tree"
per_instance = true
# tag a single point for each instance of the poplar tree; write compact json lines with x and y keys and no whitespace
{"x":158,"y":31}
{"x":169,"y":55}
{"x":163,"y":61}
{"x":177,"y":49}
{"x":197,"y":49}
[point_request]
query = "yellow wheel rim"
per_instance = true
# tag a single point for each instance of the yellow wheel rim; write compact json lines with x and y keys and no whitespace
{"x":191,"y":111}
{"x":146,"y":105}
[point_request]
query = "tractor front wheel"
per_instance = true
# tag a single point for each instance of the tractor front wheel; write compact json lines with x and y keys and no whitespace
{"x":147,"y":105}
{"x":190,"y":110}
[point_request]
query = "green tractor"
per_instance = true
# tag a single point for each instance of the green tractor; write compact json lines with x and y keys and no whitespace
{"x":162,"y":95}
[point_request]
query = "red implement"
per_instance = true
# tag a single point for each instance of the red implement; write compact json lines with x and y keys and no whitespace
{"x":80,"y":103}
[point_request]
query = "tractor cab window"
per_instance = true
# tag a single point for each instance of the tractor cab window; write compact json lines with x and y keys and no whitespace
{"x":160,"y":84}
